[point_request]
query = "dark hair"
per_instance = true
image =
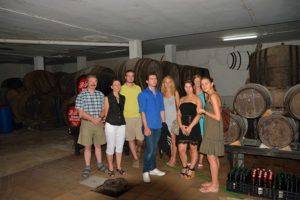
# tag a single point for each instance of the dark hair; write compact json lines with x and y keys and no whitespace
{"x":189,"y":82}
{"x":112,"y":82}
{"x":129,"y":71}
{"x":196,"y":76}
{"x":210,"y":80}
{"x":151,"y":74}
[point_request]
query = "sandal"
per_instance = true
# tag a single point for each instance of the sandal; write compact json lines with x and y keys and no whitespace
{"x":200,"y":166}
{"x":121,"y":171}
{"x":86,"y":172}
{"x":110,"y":173}
{"x":209,"y":190}
{"x":184,"y":171}
{"x":190,"y":173}
{"x":102,"y":167}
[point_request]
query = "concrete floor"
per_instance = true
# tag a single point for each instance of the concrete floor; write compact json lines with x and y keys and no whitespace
{"x":42,"y":166}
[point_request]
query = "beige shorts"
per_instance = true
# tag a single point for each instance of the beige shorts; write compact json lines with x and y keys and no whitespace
{"x":91,"y":134}
{"x":134,"y":129}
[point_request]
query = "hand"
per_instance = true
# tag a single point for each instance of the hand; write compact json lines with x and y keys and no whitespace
{"x":201,"y":111}
{"x":183,"y":129}
{"x":188,"y":130}
{"x":96,"y":121}
{"x":147,"y":131}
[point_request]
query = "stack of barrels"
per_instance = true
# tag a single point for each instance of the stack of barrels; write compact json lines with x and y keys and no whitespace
{"x":47,"y":99}
{"x":144,"y":66}
{"x":42,"y":100}
{"x":272,"y":100}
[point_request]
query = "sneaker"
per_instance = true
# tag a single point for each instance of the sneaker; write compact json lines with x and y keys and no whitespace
{"x":156,"y":172}
{"x":136,"y":164}
{"x":146,"y":177}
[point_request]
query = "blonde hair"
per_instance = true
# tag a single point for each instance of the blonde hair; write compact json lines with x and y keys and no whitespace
{"x":173,"y":87}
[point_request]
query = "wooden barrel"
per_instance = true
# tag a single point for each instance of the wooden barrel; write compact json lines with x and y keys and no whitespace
{"x":292,"y":101}
{"x":66,"y":105}
{"x":104,"y":75}
{"x":277,"y":95}
{"x":277,"y":131}
{"x":16,"y":100}
{"x":171,"y":69}
{"x":145,"y":66}
{"x":237,"y":129}
{"x":121,"y":69}
{"x":66,"y":82}
{"x":41,"y":82}
{"x":252,"y":100}
{"x":187,"y":72}
{"x":277,"y":66}
{"x":12,"y":83}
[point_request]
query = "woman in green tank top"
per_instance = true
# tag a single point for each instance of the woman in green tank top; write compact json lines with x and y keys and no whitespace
{"x":213,"y":141}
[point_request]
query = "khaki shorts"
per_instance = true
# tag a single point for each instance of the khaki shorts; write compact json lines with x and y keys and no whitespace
{"x":91,"y":134}
{"x":133,"y":129}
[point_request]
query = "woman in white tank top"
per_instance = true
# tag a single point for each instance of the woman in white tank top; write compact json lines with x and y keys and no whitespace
{"x":171,"y":102}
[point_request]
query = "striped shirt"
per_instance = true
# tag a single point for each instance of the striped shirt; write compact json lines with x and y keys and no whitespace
{"x":92,"y":104}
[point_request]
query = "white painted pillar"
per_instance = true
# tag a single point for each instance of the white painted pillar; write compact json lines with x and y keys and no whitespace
{"x":135,"y":49}
{"x":81,"y":62}
{"x":38,"y":63}
{"x":170,"y":52}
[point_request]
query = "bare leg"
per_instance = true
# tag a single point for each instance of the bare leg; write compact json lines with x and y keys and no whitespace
{"x":194,"y":155}
{"x":139,"y":145}
{"x":98,"y":153}
{"x":214,"y":170}
{"x":173,"y":150}
{"x":201,"y":160}
{"x":110,"y":162}
{"x":87,"y":155}
{"x":132,"y":146}
{"x":182,"y":154}
{"x":119,"y":160}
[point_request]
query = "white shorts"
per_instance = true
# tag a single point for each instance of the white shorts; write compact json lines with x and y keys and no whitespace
{"x":115,"y":138}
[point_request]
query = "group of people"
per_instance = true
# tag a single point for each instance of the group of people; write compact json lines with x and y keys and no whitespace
{"x":127,"y":113}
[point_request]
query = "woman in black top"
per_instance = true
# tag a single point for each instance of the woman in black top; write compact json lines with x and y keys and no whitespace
{"x":114,"y":126}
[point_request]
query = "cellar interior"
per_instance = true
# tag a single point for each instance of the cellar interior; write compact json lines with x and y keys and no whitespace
{"x":79,"y":79}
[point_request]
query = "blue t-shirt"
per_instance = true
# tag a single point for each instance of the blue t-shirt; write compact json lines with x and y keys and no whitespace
{"x":151,"y":104}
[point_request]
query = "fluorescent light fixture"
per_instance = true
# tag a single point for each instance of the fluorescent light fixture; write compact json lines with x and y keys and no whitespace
{"x":239,"y":37}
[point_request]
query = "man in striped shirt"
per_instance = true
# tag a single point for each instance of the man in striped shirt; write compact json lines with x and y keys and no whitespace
{"x":90,"y":106}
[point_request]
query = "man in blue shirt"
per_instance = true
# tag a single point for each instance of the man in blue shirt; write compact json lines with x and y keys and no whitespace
{"x":152,"y":110}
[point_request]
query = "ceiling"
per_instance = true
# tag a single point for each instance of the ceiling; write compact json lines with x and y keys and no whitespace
{"x":188,"y":24}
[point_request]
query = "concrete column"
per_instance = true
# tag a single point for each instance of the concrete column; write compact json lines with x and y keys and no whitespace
{"x":170,"y":52}
{"x":38,"y":63}
{"x":81,"y":62}
{"x":135,"y":49}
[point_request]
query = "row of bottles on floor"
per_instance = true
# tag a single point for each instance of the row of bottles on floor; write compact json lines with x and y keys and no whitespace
{"x":262,"y":182}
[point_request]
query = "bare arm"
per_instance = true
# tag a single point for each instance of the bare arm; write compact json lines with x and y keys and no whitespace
{"x":177,"y":100}
{"x":105,"y":107}
{"x":215,"y":101}
{"x":84,"y":115}
{"x":163,"y":116}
